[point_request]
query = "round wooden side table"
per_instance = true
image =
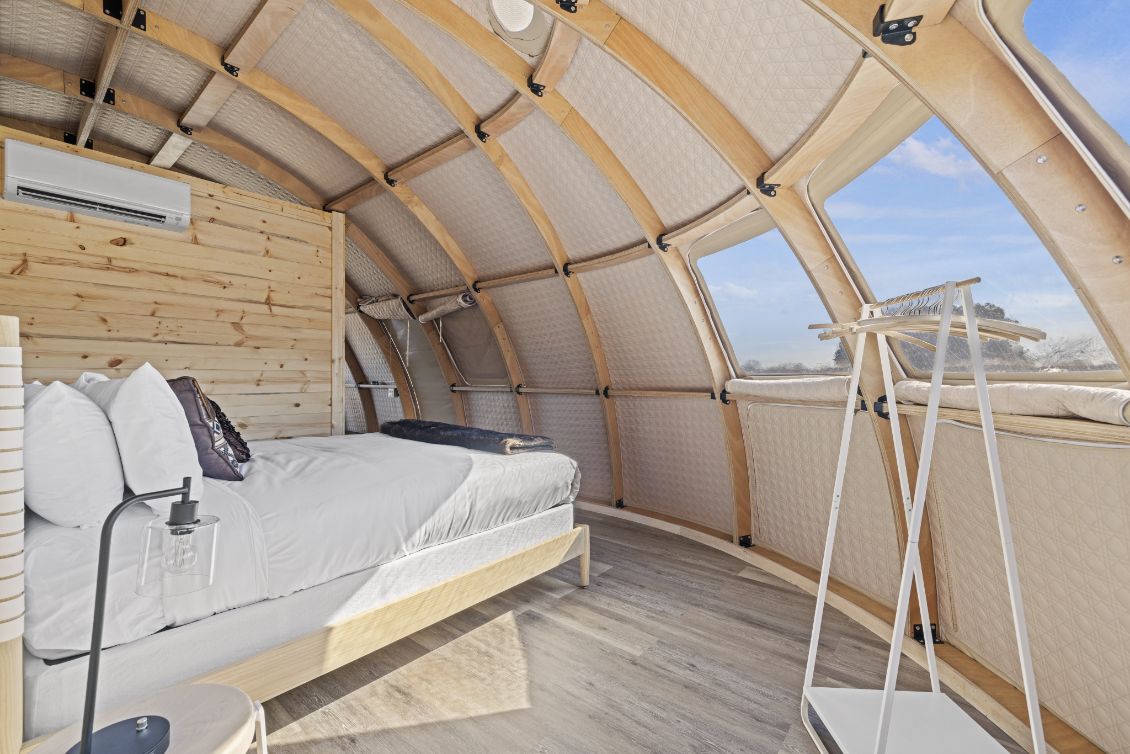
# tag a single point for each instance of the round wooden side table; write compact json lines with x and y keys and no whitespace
{"x":203,"y":719}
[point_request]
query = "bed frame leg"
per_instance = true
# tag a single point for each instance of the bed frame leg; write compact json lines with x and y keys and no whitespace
{"x":260,"y":729}
{"x":584,"y":561}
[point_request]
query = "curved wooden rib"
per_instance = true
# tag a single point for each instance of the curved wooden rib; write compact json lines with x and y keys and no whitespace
{"x":410,"y":56}
{"x":498,"y":55}
{"x":368,"y":406}
{"x":62,"y":82}
{"x":180,"y":40}
{"x":391,"y":355}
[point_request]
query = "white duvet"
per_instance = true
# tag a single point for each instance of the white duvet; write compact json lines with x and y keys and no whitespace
{"x":308,"y":511}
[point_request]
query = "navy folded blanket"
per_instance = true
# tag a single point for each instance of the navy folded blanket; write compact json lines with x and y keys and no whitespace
{"x":439,"y":433}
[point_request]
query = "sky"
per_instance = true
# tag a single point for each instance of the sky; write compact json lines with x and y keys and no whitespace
{"x":927,"y":213}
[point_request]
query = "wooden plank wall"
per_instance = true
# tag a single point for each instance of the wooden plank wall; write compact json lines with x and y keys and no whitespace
{"x":247,"y":300}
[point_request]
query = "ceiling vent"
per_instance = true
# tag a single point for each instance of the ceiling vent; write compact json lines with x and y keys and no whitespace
{"x":60,"y":180}
{"x":524,"y":27}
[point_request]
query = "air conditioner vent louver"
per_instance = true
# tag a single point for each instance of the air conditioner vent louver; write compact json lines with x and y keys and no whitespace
{"x":61,"y":180}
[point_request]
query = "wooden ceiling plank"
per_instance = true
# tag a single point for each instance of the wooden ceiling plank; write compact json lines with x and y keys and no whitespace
{"x":212,"y":97}
{"x":171,"y":151}
{"x":265,"y":26}
{"x":564,"y":41}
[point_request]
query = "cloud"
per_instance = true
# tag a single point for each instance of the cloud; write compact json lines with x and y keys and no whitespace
{"x":732,"y":291}
{"x":943,"y":157}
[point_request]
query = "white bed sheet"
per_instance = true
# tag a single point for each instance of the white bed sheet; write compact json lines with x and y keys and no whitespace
{"x":53,"y":693}
{"x":308,"y":511}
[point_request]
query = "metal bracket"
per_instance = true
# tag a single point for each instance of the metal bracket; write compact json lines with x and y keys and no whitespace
{"x":660,"y":243}
{"x":724,"y":396}
{"x":71,"y":138}
{"x":566,"y":271}
{"x":518,"y":388}
{"x":535,"y":87}
{"x":390,"y":180}
{"x":620,"y":502}
{"x":186,"y":130}
{"x":86,"y":88}
{"x":880,"y":406}
{"x":604,"y":392}
{"x":920,"y":637}
{"x":475,"y":287}
{"x":233,"y":70}
{"x":745,"y":540}
{"x":483,"y":135}
{"x":895,"y":31}
{"x":768,"y":189}
{"x":113,"y":9}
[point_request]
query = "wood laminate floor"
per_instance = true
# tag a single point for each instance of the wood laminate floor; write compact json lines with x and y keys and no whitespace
{"x":676,"y":647}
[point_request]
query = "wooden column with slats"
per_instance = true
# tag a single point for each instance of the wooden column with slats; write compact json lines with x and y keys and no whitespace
{"x":11,"y":537}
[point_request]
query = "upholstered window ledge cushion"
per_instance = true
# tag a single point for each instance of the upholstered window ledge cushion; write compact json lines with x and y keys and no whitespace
{"x":1101,"y":404}
{"x":830,"y":389}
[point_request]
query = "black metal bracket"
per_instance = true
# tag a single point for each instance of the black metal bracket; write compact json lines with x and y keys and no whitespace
{"x":745,"y":540}
{"x":660,"y":243}
{"x":604,"y":392}
{"x":71,"y":138}
{"x":475,"y":286}
{"x":724,"y":396}
{"x":186,"y":130}
{"x":620,"y":502}
{"x":86,"y":88}
{"x":713,"y":395}
{"x":535,"y":87}
{"x":920,"y":637}
{"x":483,"y":135}
{"x":390,"y":180}
{"x":453,"y":387}
{"x":880,"y":406}
{"x":113,"y":9}
{"x":566,"y":271}
{"x":895,"y":31}
{"x":569,"y":6}
{"x":233,"y":70}
{"x":768,"y":189}
{"x":518,"y":388}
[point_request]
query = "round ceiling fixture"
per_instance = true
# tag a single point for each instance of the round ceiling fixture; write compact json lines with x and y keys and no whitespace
{"x":524,"y":27}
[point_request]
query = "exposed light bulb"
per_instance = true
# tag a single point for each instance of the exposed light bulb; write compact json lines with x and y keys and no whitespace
{"x":180,"y":554}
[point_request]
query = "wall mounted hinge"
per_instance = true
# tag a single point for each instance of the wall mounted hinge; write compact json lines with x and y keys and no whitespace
{"x":186,"y":130}
{"x":620,"y":502}
{"x":71,"y":138}
{"x":233,"y":70}
{"x":483,"y":135}
{"x":390,"y":180}
{"x":724,"y":396}
{"x":535,"y":87}
{"x":660,"y":243}
{"x":895,"y":31}
{"x":921,"y":637}
{"x":768,"y":189}
{"x":745,"y":540}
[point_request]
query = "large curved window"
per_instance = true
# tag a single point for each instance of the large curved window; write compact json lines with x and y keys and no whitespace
{"x":927,"y":213}
{"x":765,"y":302}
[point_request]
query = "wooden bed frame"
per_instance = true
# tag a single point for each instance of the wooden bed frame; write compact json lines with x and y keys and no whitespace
{"x":288,"y":665}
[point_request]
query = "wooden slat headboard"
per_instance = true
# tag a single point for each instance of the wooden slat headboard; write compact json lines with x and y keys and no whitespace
{"x":249,"y":300}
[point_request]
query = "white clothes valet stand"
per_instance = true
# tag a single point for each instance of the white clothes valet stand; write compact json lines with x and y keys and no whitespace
{"x":872,"y":721}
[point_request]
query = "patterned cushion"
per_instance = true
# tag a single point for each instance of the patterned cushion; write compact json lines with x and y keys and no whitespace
{"x":217,"y":457}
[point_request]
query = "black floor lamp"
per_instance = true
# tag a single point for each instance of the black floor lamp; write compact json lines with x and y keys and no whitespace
{"x":178,"y":558}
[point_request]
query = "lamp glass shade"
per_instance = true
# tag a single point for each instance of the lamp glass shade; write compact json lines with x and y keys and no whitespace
{"x":177,"y":558}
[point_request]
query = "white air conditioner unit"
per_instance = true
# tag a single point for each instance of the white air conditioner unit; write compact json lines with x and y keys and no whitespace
{"x":60,"y":180}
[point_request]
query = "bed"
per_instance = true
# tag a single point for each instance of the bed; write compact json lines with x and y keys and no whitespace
{"x":330,"y":548}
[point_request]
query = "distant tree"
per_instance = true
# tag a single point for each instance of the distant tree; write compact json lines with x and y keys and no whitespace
{"x":1072,"y":353}
{"x":751,"y":366}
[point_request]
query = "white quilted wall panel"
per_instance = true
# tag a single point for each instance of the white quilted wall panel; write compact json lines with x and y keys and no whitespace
{"x":210,"y":164}
{"x":546,"y":332}
{"x":675,"y":459}
{"x":775,"y":64}
{"x":576,"y":424}
{"x":363,"y":275}
{"x":792,"y":451}
{"x":335,"y":64}
{"x":127,"y":131}
{"x":292,"y":144}
{"x":397,"y":232}
{"x":589,"y":215}
{"x":474,"y":348}
{"x":648,"y":337}
{"x":218,"y":21}
{"x":50,"y":33}
{"x":27,"y":102}
{"x":376,"y":368}
{"x":680,"y":173}
{"x":1071,"y":529}
{"x":354,"y":412}
{"x":484,"y":89}
{"x":494,"y":411}
{"x":154,"y":72}
{"x":475,"y":204}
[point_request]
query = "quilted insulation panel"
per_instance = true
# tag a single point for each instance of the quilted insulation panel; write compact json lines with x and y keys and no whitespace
{"x":376,"y":369}
{"x":363,"y":275}
{"x":397,"y":232}
{"x":335,"y":64}
{"x":576,"y":424}
{"x":775,"y":64}
{"x":26,"y":102}
{"x":649,"y":339}
{"x":218,"y":21}
{"x":1071,"y":528}
{"x":154,"y":72}
{"x":792,"y":452}
{"x":494,"y":411}
{"x":675,"y":459}
{"x":50,"y":33}
{"x":543,"y":325}
{"x":210,"y":164}
{"x":679,"y":171}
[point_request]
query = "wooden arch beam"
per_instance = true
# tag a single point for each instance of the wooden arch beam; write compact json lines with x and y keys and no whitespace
{"x":191,"y":45}
{"x":499,"y":56}
{"x":61,"y":82}
{"x":397,"y":44}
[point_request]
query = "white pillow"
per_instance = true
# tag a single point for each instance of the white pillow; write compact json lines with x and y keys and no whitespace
{"x":154,"y":440}
{"x":72,"y":472}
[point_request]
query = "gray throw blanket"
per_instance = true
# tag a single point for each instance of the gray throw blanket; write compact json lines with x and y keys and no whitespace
{"x":466,"y":437}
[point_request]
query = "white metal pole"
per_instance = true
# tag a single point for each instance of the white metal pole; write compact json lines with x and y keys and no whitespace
{"x":914,"y":527}
{"x":904,"y":490}
{"x":834,"y":515}
{"x":988,"y":430}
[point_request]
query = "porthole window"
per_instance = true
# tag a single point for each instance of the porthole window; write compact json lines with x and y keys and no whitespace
{"x":524,"y":27}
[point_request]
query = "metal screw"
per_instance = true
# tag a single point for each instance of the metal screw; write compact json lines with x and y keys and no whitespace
{"x":908,"y":38}
{"x":1117,"y":259}
{"x":1080,"y":207}
{"x":893,"y":27}
{"x":1042,"y":160}
{"x":911,"y":23}
{"x":141,"y":724}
